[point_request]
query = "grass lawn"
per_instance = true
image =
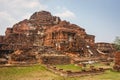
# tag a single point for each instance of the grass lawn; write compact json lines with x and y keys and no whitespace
{"x":39,"y":72}
{"x":74,"y":67}
{"x":71,"y":67}
{"x":36,"y":72}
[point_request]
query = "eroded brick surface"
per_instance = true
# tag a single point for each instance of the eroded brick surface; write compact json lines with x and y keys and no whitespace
{"x":45,"y":30}
{"x":117,"y":61}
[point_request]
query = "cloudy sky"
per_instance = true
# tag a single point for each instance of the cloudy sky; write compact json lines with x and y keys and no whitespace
{"x":99,"y":17}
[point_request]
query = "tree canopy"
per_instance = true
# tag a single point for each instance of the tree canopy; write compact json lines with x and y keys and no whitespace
{"x":117,"y":43}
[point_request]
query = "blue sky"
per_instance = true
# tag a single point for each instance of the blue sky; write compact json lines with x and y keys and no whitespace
{"x":98,"y":17}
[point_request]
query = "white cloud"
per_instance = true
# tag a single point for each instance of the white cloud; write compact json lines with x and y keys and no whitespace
{"x":12,"y":11}
{"x":22,"y":3}
{"x":7,"y":17}
{"x":66,"y":14}
{"x":6,"y":20}
{"x":26,"y":16}
{"x":21,"y":7}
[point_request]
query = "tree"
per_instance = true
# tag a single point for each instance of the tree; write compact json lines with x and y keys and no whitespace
{"x":117,"y":43}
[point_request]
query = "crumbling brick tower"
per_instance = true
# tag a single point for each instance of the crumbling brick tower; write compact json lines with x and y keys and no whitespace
{"x":68,"y":37}
{"x":43,"y":29}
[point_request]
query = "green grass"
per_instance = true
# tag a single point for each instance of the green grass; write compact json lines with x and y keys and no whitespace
{"x":111,"y":75}
{"x":35,"y":72}
{"x":39,"y":72}
{"x":71,"y":67}
{"x":74,"y":67}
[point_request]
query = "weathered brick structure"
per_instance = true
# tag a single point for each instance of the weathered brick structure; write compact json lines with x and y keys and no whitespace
{"x":1,"y":38}
{"x":55,"y":59}
{"x":105,"y":48}
{"x":66,"y":36}
{"x":43,"y":29}
{"x":117,"y":61}
{"x":23,"y":56}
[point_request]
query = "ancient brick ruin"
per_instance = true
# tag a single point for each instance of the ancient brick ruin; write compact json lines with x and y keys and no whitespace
{"x":42,"y":34}
{"x":69,"y":73}
{"x":117,"y":61}
{"x":107,"y":49}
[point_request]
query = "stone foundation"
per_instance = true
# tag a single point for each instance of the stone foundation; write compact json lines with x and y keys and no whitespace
{"x":70,"y":73}
{"x":55,"y":59}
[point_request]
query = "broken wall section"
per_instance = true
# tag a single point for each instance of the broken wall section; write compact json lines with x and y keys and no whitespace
{"x":117,"y":61}
{"x":55,"y":59}
{"x":1,"y":38}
